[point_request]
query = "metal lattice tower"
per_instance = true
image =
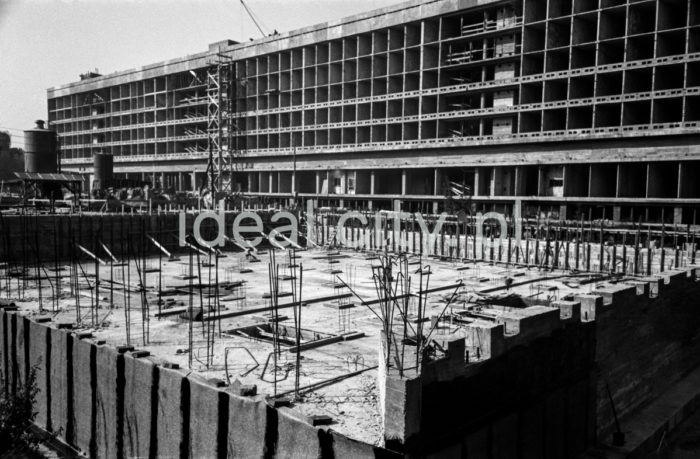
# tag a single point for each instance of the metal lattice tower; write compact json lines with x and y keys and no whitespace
{"x":221,"y":148}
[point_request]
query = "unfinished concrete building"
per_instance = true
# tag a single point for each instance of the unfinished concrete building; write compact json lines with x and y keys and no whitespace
{"x":581,"y":107}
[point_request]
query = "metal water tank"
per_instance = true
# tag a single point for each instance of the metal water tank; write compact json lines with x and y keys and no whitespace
{"x":103,"y":169}
{"x":40,"y":149}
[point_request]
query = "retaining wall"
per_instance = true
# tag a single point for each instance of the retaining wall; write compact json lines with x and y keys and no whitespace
{"x":532,"y":397}
{"x":109,"y":404}
{"x":648,"y":337}
{"x":541,"y":387}
{"x":51,"y":237}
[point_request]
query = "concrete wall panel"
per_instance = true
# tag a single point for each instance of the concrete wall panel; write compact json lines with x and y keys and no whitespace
{"x":59,"y":382}
{"x":504,"y":435}
{"x":347,"y":447}
{"x":169,"y":413}
{"x":247,"y":419}
{"x":109,"y":426}
{"x":101,"y":402}
{"x":477,"y":444}
{"x":4,"y":350}
{"x":21,"y":339}
{"x":555,"y":427}
{"x":84,"y":370}
{"x":204,"y":417}
{"x":38,"y":359}
{"x":296,"y":438}
{"x":532,"y":432}
{"x":138,"y":383}
{"x":644,"y":345}
{"x":577,"y":409}
{"x":451,"y":452}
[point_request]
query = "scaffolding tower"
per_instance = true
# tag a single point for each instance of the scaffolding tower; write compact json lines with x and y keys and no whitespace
{"x":220,"y":127}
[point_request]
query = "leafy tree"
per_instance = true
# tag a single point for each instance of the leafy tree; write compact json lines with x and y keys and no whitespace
{"x":16,"y":415}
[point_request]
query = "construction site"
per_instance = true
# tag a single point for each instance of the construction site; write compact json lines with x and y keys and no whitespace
{"x":440,"y":229}
{"x":399,"y":341}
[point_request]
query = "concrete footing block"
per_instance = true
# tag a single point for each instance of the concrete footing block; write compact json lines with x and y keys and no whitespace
{"x":617,"y":295}
{"x":590,"y":304}
{"x":642,"y":287}
{"x":568,"y":310}
{"x":655,"y":285}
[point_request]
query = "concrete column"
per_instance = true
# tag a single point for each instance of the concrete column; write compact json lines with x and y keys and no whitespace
{"x":679,"y":191}
{"x":162,"y":180}
{"x":648,"y":175}
{"x":371,"y":183}
{"x":318,"y":182}
{"x":677,"y":215}
{"x":617,"y":184}
{"x":492,"y":184}
{"x":403,"y":182}
{"x":269,"y":178}
{"x":437,"y":182}
{"x":476,"y":182}
{"x":193,"y":176}
{"x":565,"y":179}
{"x":617,"y":210}
{"x":179,"y":181}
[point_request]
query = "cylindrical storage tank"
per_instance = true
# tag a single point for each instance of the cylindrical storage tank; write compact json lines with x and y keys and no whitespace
{"x":40,"y":147}
{"x":104,"y":169}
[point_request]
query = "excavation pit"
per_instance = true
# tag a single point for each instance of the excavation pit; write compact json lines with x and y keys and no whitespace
{"x":225,"y":331}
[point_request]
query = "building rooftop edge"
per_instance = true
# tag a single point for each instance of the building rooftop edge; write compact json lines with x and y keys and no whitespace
{"x":215,"y":48}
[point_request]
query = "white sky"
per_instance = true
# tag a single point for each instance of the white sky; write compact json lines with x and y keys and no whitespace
{"x":46,"y":43}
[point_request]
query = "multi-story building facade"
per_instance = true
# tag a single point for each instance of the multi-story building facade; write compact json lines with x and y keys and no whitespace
{"x":577,"y":107}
